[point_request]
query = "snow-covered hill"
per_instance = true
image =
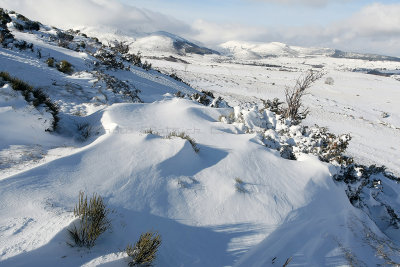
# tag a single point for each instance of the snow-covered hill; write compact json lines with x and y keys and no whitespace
{"x":155,"y":43}
{"x":237,"y":201}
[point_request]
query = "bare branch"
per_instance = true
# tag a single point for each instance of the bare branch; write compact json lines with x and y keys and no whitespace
{"x":294,"y":95}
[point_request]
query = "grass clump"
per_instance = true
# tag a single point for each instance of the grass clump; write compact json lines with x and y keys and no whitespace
{"x":85,"y":130}
{"x":64,"y":66}
{"x":145,"y":250}
{"x":185,"y":136}
{"x":151,"y":131}
{"x":33,"y":95}
{"x":239,"y":185}
{"x":50,"y":62}
{"x":93,"y":220}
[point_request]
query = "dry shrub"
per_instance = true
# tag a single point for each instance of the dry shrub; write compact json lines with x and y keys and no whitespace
{"x":184,"y":136}
{"x":93,"y":220}
{"x":145,"y":250}
{"x":295,"y":94}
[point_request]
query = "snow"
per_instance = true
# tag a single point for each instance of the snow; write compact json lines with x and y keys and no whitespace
{"x":354,"y":104}
{"x":284,"y":209}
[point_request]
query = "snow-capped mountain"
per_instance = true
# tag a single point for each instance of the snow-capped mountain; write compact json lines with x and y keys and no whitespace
{"x":191,"y":144}
{"x":252,"y":50}
{"x":160,"y":42}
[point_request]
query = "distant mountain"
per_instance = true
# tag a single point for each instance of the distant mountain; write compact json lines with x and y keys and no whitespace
{"x":184,"y":46}
{"x":370,"y":57}
{"x":253,"y":50}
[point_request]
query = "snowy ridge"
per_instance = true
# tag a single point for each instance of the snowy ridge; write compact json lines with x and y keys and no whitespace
{"x":235,"y":202}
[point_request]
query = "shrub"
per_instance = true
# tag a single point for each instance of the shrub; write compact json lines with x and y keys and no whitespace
{"x":5,"y":36}
{"x":4,"y":17}
{"x":27,"y":24}
{"x":329,"y":81}
{"x":18,"y":26}
{"x":294,"y":96}
{"x":120,"y":47}
{"x":146,"y":66}
{"x":22,"y":45}
{"x":22,"y":17}
{"x":84,"y":130}
{"x":93,"y":220}
{"x":32,"y":26}
{"x":109,"y":59}
{"x":135,"y":59}
{"x":64,"y":36}
{"x":50,"y":62}
{"x":118,"y":86}
{"x":145,"y":250}
{"x":273,"y":105}
{"x":184,"y":136}
{"x":64,"y":66}
{"x":287,"y":262}
{"x":239,"y":185}
{"x":151,"y":131}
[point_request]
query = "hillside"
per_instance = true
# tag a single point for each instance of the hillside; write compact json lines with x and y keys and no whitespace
{"x":243,"y":187}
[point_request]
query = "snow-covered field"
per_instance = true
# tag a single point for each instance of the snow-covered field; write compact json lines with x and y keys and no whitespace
{"x":365,"y":105}
{"x":235,"y":202}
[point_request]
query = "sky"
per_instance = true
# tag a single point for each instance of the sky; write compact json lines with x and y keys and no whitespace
{"x":350,"y":25}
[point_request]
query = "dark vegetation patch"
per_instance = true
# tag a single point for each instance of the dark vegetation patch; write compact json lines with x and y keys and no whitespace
{"x":35,"y":96}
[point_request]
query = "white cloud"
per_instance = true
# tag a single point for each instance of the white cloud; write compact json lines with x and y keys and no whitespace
{"x":375,"y":28}
{"x":112,"y":13}
{"x":313,"y":3}
{"x":215,"y":33}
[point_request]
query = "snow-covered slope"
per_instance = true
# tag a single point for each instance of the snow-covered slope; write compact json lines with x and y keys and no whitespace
{"x":235,"y":202}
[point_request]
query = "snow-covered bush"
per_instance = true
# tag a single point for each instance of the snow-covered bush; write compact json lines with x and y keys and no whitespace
{"x":146,"y":66}
{"x":93,"y":220}
{"x":22,"y":45}
{"x":205,"y":98}
{"x":365,"y":189}
{"x":329,"y":81}
{"x":28,"y":24}
{"x":119,"y":47}
{"x":280,"y":134}
{"x":64,"y":66}
{"x":4,"y":17}
{"x":5,"y":35}
{"x":118,"y":87}
{"x":145,"y":250}
{"x":273,"y":105}
{"x":151,"y":131}
{"x":135,"y":59}
{"x":62,"y":35}
{"x":109,"y":59}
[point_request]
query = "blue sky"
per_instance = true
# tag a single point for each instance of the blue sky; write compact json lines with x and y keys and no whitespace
{"x":350,"y":25}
